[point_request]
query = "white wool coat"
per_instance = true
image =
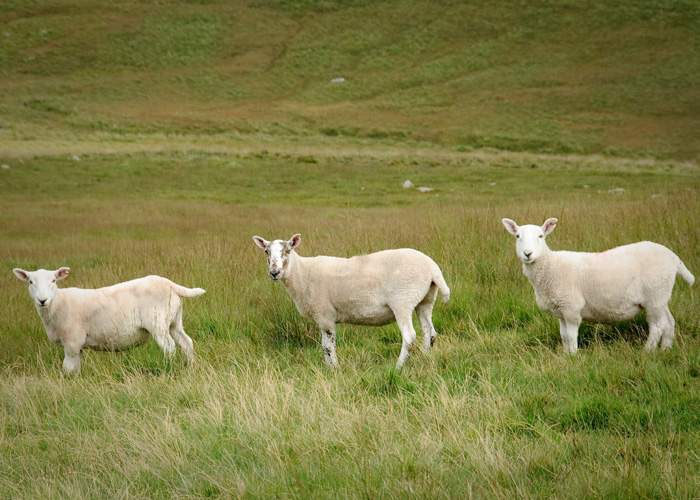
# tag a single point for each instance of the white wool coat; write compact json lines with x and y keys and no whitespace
{"x":606,"y":286}
{"x":114,"y":317}
{"x":364,"y":289}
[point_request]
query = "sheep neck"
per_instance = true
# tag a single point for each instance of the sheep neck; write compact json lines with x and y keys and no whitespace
{"x":538,"y":271}
{"x":49,"y":314}
{"x":295,"y":277}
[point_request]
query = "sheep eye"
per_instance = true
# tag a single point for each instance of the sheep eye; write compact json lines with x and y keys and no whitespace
{"x":54,"y":281}
{"x":517,"y":236}
{"x":31,"y":282}
{"x":541,"y":236}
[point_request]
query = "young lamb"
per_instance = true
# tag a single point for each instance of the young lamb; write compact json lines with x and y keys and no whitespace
{"x":614,"y":285}
{"x":110,"y":318}
{"x":375,"y":289}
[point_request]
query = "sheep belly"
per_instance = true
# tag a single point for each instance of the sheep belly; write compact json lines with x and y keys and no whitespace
{"x":116,"y":325}
{"x":366,"y":314}
{"x":116,"y":339}
{"x":612,"y":297}
{"x":611,"y":312}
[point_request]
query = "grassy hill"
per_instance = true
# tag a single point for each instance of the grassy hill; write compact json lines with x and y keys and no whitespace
{"x":157,"y":137}
{"x":565,"y":77}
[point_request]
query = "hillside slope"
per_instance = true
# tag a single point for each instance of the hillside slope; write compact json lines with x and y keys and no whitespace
{"x":576,"y":76}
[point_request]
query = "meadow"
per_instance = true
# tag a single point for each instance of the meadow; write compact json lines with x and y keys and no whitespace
{"x":161,"y":136}
{"x":495,"y":409}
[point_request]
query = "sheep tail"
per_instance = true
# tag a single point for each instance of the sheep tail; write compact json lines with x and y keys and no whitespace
{"x":440,"y":282}
{"x":685,"y":273}
{"x":183,"y":291}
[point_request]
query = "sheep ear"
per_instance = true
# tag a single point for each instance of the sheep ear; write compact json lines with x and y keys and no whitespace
{"x":62,"y":273}
{"x":21,"y":274}
{"x":549,"y":225}
{"x":510,"y":226}
{"x":294,"y":241}
{"x":261,"y":242}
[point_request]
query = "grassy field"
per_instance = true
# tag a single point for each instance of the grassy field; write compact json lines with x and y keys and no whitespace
{"x":495,"y":409}
{"x":574,"y":76}
{"x":157,"y":137}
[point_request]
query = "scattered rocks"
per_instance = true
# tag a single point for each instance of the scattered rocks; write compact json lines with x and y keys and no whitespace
{"x":75,"y":158}
{"x":586,"y":186}
{"x":616,"y":190}
{"x":655,"y":195}
{"x":338,"y":80}
{"x":492,"y":183}
{"x":5,"y":166}
{"x":407,"y":184}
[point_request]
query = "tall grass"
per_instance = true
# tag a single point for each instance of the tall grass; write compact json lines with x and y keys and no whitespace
{"x":496,"y":409}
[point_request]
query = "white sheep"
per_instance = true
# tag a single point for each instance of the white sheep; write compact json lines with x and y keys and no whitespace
{"x":375,"y":289}
{"x":110,"y":318}
{"x":614,"y":285}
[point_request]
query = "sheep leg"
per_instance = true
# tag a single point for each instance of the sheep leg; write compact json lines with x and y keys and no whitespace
{"x":424,"y":311}
{"x":426,"y":325}
{"x":164,"y":341}
{"x":656,"y":320}
{"x":568,"y":330}
{"x":669,"y":331}
{"x":328,"y":343}
{"x":71,"y":361}
{"x":177,"y":332}
{"x":654,"y":337}
{"x":408,"y":334}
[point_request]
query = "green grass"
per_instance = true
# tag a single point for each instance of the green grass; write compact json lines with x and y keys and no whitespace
{"x":563,"y":77}
{"x":157,"y":137}
{"x":496,"y":409}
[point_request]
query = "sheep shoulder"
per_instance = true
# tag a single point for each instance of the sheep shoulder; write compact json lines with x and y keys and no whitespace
{"x":554,"y":281}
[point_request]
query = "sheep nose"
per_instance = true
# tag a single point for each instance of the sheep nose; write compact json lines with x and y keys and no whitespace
{"x":274,"y":273}
{"x":42,"y":301}
{"x":527,"y":254}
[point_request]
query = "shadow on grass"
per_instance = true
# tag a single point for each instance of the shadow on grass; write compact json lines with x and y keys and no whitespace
{"x":281,"y":328}
{"x":633,"y":332}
